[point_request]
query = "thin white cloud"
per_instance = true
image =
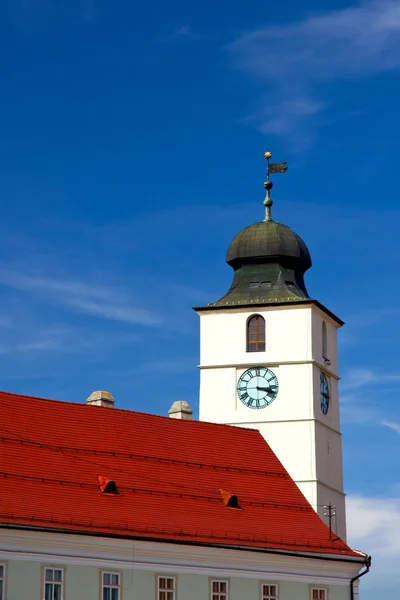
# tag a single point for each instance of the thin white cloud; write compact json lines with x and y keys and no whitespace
{"x":297,"y":59}
{"x":394,"y":426}
{"x":43,"y":345}
{"x":358,"y":392}
{"x":91,"y":299}
{"x":356,"y":413}
{"x":360,"y":378}
{"x":184,"y":32}
{"x":32,"y":338}
{"x":278,"y":118}
{"x":374,"y":527}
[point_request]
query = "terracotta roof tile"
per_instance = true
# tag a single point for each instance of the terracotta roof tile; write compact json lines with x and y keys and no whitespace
{"x":168,"y":474}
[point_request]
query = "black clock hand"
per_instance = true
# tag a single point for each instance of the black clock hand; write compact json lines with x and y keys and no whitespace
{"x":264,"y":389}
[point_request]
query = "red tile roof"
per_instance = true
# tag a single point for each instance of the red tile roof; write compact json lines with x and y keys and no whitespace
{"x":168,"y":474}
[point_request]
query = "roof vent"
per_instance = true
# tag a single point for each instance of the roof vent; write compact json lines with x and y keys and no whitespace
{"x":107,"y":486}
{"x":229,"y":500}
{"x":101,"y":398}
{"x":181,"y":410}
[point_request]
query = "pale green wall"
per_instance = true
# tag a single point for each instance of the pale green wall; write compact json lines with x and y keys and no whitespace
{"x":83,"y":582}
{"x":301,"y":591}
{"x":22,"y":578}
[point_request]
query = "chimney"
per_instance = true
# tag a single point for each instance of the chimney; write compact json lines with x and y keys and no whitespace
{"x":101,"y":398}
{"x":180,"y":410}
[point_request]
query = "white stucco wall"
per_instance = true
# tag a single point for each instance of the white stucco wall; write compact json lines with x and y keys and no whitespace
{"x":288,"y":335}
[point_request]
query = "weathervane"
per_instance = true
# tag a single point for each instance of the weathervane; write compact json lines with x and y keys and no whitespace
{"x":271,"y":168}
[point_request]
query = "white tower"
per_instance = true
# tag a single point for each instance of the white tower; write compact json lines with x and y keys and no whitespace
{"x":268,"y":360}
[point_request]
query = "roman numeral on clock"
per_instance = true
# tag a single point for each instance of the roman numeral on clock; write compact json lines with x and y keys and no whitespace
{"x":257,"y":381}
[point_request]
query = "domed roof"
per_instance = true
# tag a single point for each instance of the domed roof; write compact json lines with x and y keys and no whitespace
{"x":266,"y":241}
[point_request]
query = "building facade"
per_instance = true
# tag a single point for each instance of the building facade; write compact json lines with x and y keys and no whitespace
{"x":49,"y":566}
{"x":99,"y":502}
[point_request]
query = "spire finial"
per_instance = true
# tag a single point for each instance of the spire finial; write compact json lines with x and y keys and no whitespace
{"x":271,"y":168}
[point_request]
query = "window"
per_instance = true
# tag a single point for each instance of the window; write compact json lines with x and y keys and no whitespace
{"x":256,"y":334}
{"x":53,"y":584}
{"x":2,"y":582}
{"x":219,"y":590}
{"x":269,"y":591}
{"x":166,"y":588}
{"x":319,"y":593}
{"x":111,"y":584}
{"x":324,"y":341}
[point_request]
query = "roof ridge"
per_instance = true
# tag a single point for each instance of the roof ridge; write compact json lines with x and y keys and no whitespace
{"x":126,"y":410}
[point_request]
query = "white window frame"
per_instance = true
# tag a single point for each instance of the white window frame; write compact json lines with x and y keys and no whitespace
{"x":3,"y":580}
{"x":162,"y":592}
{"x":220,"y":595}
{"x":318,"y":588}
{"x":267,"y":596}
{"x":46,"y":581}
{"x":111,"y":586}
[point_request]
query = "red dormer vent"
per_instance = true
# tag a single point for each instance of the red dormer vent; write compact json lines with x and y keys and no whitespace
{"x":107,"y":486}
{"x":229,"y":500}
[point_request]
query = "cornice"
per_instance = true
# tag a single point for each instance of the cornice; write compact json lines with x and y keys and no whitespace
{"x":245,"y":307}
{"x":151,"y":556}
{"x":273,"y":364}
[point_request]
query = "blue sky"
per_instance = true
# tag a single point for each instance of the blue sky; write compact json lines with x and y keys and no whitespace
{"x":132,"y":137}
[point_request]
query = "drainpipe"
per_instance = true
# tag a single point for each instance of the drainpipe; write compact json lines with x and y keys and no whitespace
{"x":367,"y":565}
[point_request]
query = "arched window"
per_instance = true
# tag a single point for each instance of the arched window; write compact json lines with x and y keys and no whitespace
{"x":324,"y":341}
{"x":256,"y":334}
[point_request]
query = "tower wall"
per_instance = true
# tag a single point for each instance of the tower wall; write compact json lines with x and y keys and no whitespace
{"x":288,"y":335}
{"x":307,"y":442}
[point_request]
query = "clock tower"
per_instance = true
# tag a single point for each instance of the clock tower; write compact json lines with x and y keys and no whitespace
{"x":268,"y":360}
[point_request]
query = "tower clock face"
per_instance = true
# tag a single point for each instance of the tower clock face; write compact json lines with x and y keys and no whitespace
{"x":324,"y":393}
{"x":257,"y":387}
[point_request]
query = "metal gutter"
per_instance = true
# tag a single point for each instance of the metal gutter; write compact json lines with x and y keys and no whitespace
{"x":367,"y":562}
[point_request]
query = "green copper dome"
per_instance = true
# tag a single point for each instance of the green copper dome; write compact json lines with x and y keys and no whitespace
{"x":269,"y":261}
{"x":266,"y":241}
